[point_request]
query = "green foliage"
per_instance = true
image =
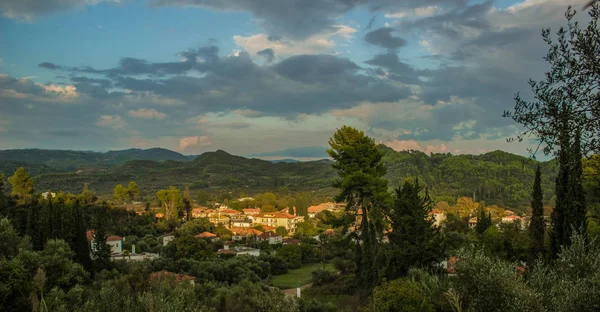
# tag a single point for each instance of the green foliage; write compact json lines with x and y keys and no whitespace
{"x":414,"y":241}
{"x":537,"y":225}
{"x":196,"y":226}
{"x":292,"y":255}
{"x":484,"y":221}
{"x":281,"y":230}
{"x":21,"y":184}
{"x":189,"y":247}
{"x":322,"y":277}
{"x":171,"y":201}
{"x":119,"y":193}
{"x":357,"y":161}
{"x":398,"y":295}
{"x":490,"y":284}
{"x":569,"y":91}
{"x":132,"y":190}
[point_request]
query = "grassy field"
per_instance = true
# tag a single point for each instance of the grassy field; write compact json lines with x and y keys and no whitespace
{"x":298,"y":277}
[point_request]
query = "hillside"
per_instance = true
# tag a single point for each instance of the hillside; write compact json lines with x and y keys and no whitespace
{"x":65,"y":160}
{"x":497,"y":177}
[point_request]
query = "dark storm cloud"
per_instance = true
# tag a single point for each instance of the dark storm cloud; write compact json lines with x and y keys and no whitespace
{"x":29,"y":9}
{"x":268,"y":54}
{"x":48,"y":65}
{"x":311,"y":68}
{"x":302,"y":18}
{"x":398,"y":70}
{"x":299,"y":84}
{"x":450,"y":24}
{"x":383,"y":37}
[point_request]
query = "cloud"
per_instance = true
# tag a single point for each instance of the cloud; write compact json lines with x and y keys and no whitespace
{"x":144,"y":113}
{"x":111,"y":121}
{"x":383,"y":37}
{"x":416,"y":12}
{"x":26,"y":91}
{"x":321,"y":42}
{"x":193,"y":142}
{"x":268,"y":54}
{"x":300,"y":19}
{"x":28,"y":10}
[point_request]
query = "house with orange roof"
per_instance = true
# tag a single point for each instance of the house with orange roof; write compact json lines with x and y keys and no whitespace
{"x":241,"y":233}
{"x":251,"y":211}
{"x":271,"y":237}
{"x":201,"y":212}
{"x":313,"y":210}
{"x":277,"y":219}
{"x":159,"y":215}
{"x":115,"y":242}
{"x":438,"y":216}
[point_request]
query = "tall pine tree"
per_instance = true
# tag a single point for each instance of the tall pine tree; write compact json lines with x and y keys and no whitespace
{"x":536,"y":227}
{"x":358,"y":163}
{"x":414,"y":240}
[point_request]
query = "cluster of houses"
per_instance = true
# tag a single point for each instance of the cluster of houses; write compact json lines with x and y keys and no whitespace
{"x":251,"y":217}
{"x":115,"y":244}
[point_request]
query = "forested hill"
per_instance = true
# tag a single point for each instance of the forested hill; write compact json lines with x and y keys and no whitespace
{"x":497,"y":177}
{"x":65,"y":160}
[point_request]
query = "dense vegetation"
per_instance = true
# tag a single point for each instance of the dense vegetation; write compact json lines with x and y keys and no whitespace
{"x":498,"y":178}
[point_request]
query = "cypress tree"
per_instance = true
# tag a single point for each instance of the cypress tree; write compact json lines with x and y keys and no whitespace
{"x":575,"y":188}
{"x":560,"y":215}
{"x":33,"y":225}
{"x":484,"y":221}
{"x":536,"y":227}
{"x":81,"y":246}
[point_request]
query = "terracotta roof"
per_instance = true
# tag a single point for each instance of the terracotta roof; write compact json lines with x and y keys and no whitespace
{"x":278,"y":215}
{"x":321,"y":207}
{"x":269,"y":228}
{"x":269,"y":235}
{"x":245,"y":231}
{"x":90,"y":236}
{"x":113,"y":238}
{"x":206,"y":235}
{"x":230,"y":211}
{"x":509,"y":212}
{"x":162,"y":275}
{"x":251,"y":211}
{"x":159,"y":215}
{"x":436,"y":211}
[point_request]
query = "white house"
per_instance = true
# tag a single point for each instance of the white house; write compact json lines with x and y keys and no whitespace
{"x":239,"y":251}
{"x":115,"y":242}
{"x":272,"y":237}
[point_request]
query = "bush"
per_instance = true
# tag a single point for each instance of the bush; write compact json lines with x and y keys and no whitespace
{"x":344,"y":266}
{"x":399,"y":295}
{"x":322,"y":277}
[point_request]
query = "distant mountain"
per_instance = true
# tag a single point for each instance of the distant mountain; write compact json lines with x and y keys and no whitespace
{"x":287,"y":160}
{"x":497,"y":177}
{"x":66,"y":160}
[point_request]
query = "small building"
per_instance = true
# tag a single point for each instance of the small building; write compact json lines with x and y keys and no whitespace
{"x":115,"y":242}
{"x":313,"y":210}
{"x":201,"y":212}
{"x":133,"y":256}
{"x":277,"y":219}
{"x":208,"y":235}
{"x":239,"y":251}
{"x":241,"y":233}
{"x":159,"y":215}
{"x":438,"y":216}
{"x":271,"y":237}
{"x":473,"y":222}
{"x":251,"y":211}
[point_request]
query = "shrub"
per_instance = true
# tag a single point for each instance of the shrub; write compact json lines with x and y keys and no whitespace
{"x":322,"y":277}
{"x":399,"y":295}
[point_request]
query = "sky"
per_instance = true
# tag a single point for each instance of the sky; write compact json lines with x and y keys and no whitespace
{"x":270,"y":78}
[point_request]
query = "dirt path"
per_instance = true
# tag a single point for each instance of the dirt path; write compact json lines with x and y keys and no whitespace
{"x":292,"y":291}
